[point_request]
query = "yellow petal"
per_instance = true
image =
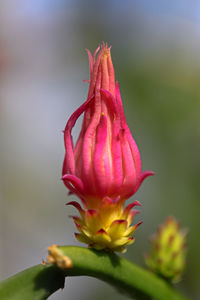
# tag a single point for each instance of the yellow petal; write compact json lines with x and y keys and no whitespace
{"x":101,"y":237}
{"x":117,"y":229}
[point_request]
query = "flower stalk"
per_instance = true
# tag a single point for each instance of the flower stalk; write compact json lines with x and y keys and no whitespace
{"x":40,"y":281}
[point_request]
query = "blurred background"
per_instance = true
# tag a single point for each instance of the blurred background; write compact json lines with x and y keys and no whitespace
{"x":155,"y":51}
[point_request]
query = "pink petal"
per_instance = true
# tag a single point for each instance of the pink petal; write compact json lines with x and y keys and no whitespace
{"x":93,"y":77}
{"x":111,"y":76}
{"x":120,"y":106}
{"x":144,"y":175}
{"x":75,"y":181}
{"x":132,"y":143}
{"x":77,"y":206}
{"x":130,"y":206}
{"x":69,"y":164}
{"x":101,"y":166}
{"x":108,"y":202}
{"x":95,"y":52}
{"x":128,"y":165}
{"x":91,"y":61}
{"x":110,"y":103}
{"x":89,"y":139}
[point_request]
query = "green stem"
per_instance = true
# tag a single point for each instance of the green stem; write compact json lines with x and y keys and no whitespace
{"x":35,"y":283}
{"x":119,"y":272}
{"x":40,"y":281}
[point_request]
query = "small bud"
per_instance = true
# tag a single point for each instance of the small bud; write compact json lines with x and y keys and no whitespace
{"x":56,"y":257}
{"x":167,"y":253}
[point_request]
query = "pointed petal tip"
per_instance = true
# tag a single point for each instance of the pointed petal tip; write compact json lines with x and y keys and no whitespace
{"x":135,"y":212}
{"x":139,"y":223}
{"x":101,"y":231}
{"x":120,"y":221}
{"x":91,"y":212}
{"x":136,"y":203}
{"x":147,"y":173}
{"x":86,"y":80}
{"x":76,"y":205}
{"x":142,"y":177}
{"x":131,"y":205}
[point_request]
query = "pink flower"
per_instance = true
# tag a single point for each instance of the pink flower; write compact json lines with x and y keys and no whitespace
{"x":104,"y":167}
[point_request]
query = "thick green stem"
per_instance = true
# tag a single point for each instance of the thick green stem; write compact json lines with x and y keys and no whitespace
{"x":35,"y":283}
{"x":119,"y":272}
{"x":41,"y":281}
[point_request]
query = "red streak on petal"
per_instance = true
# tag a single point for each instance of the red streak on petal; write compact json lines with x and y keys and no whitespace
{"x":94,"y":74}
{"x":101,"y":231}
{"x":102,"y":177}
{"x":119,"y":222}
{"x":130,"y":206}
{"x":91,"y":213}
{"x":89,"y":140}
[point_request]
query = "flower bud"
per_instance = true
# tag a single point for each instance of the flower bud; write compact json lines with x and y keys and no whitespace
{"x":167,"y":253}
{"x":104,"y":167}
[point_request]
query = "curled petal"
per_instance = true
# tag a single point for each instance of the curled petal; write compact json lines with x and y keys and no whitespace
{"x":69,"y":164}
{"x":95,"y":52}
{"x":74,"y":182}
{"x":78,"y":224}
{"x":131,"y":215}
{"x":144,"y":175}
{"x":77,"y":206}
{"x":91,"y":60}
{"x":129,"y":207}
{"x":94,"y":74}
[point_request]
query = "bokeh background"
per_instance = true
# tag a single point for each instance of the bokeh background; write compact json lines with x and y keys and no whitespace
{"x":155,"y":51}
